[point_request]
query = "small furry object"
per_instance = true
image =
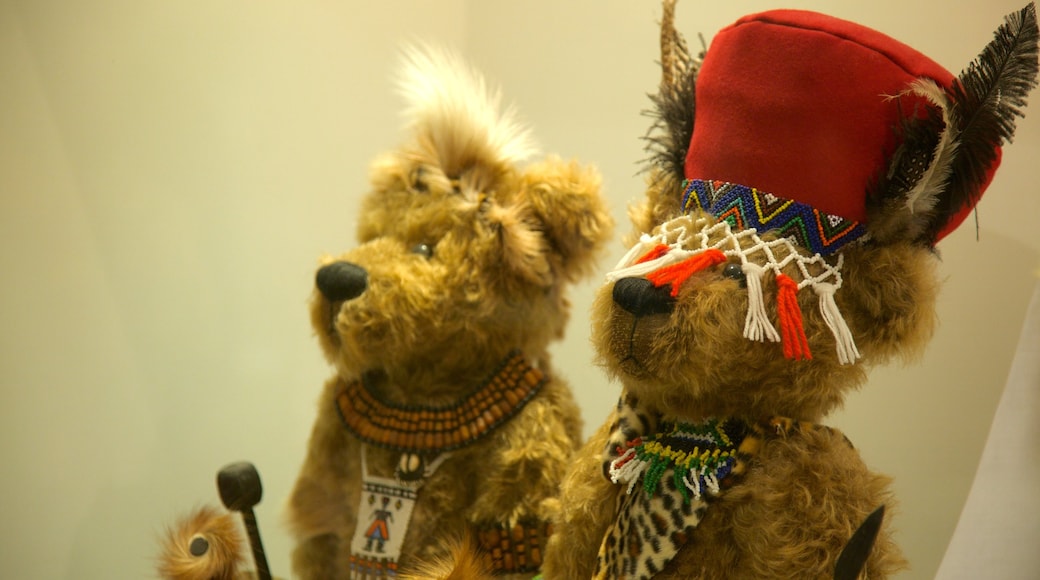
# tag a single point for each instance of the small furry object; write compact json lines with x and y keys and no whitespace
{"x":203,"y":545}
{"x":462,"y":560}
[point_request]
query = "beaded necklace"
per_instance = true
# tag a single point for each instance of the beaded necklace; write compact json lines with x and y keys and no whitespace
{"x":431,"y":430}
{"x":700,"y":456}
{"x":660,"y":510}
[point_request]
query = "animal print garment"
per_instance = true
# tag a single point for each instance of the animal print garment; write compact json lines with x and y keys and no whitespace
{"x":647,"y":532}
{"x":668,"y":474}
{"x":671,"y":473}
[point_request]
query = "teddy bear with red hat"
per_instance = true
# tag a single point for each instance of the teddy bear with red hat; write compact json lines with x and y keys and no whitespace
{"x":803,"y":170}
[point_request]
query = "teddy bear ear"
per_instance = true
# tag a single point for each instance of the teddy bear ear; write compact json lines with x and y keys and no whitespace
{"x":564,"y":199}
{"x":950,"y":150}
{"x":523,"y":249}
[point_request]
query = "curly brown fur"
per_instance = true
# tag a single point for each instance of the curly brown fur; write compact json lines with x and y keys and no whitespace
{"x":800,"y":503}
{"x":462,"y":561}
{"x":497,"y":245}
{"x":218,"y":547}
{"x":694,"y":363}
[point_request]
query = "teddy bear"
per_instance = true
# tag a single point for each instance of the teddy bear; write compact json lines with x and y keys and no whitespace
{"x":802,"y":170}
{"x":443,"y":417}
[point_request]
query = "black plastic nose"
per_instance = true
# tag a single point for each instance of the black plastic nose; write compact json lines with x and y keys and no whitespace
{"x":640,"y":297}
{"x":341,"y":281}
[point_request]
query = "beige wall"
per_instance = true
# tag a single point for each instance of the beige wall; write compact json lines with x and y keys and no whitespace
{"x":170,"y":172}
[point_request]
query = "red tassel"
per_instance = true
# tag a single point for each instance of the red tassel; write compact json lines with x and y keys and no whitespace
{"x":676,"y":274}
{"x":658,"y":251}
{"x":796,"y":345}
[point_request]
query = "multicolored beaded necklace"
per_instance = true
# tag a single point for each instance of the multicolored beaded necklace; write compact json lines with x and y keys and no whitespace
{"x":700,"y":456}
{"x":655,"y":519}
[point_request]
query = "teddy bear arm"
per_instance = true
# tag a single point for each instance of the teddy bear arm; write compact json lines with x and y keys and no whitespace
{"x":322,"y":510}
{"x":535,"y":447}
{"x":801,"y":504}
{"x":584,"y":510}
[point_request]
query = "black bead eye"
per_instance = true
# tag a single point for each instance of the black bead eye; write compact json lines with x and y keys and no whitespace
{"x":417,"y":181}
{"x":424,"y":250}
{"x":735,"y":272}
{"x":199,"y":546}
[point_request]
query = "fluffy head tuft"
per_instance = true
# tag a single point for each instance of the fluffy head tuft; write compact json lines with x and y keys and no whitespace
{"x":451,"y":108}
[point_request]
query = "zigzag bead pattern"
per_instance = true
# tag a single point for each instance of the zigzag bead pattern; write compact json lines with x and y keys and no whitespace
{"x":746,"y":207}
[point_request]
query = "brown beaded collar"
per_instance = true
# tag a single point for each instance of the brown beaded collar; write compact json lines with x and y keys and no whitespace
{"x":422,"y":429}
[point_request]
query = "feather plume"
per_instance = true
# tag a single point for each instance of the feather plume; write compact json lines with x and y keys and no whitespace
{"x":922,"y":197}
{"x":900,"y":204}
{"x":987,"y":97}
{"x":668,"y":138}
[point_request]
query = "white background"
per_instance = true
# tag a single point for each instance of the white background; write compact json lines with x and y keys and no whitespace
{"x":170,"y":173}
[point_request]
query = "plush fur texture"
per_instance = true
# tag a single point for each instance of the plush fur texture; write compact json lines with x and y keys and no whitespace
{"x":802,"y":497}
{"x":805,"y":491}
{"x":467,"y":256}
{"x":218,"y":547}
{"x":464,"y":560}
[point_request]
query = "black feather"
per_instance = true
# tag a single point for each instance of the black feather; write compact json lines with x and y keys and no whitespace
{"x":987,"y":98}
{"x":669,"y":136}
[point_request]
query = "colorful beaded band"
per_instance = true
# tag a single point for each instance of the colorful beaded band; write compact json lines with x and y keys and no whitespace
{"x":421,"y":429}
{"x":700,"y":457}
{"x":676,"y":251}
{"x":748,"y":208}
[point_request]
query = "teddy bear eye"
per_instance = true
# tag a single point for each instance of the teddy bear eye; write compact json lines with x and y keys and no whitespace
{"x":424,"y":250}
{"x":735,"y":272}
{"x":417,"y":181}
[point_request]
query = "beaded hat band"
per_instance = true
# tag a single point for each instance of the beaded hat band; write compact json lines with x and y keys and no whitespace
{"x":674,"y":253}
{"x":746,"y":207}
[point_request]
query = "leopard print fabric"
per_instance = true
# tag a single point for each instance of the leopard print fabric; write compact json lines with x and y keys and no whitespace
{"x":630,"y":423}
{"x":652,"y":524}
{"x":648,"y":531}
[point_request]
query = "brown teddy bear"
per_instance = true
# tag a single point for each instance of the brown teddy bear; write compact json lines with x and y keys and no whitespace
{"x":804,"y":168}
{"x":444,"y":418}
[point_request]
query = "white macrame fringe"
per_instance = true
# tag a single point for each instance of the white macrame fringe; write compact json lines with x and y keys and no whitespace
{"x":757,"y":325}
{"x":683,"y":244}
{"x":692,"y":481}
{"x":847,"y":351}
{"x":629,"y":472}
{"x":624,"y":270}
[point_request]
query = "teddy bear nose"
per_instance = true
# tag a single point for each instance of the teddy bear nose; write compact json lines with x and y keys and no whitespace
{"x":340,"y":281}
{"x":639,"y":296}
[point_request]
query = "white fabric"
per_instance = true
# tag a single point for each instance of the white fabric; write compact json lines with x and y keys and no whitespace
{"x":998,"y":534}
